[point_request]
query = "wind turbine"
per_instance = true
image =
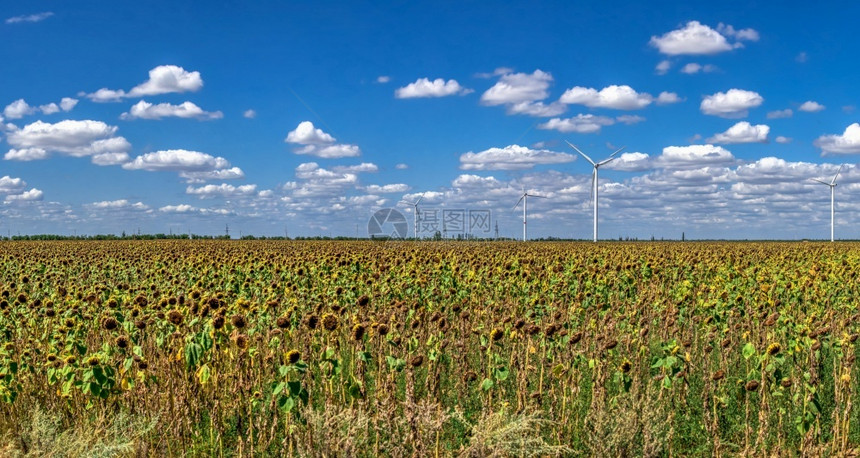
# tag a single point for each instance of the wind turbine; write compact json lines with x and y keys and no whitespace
{"x":832,"y":185}
{"x":524,"y":198}
{"x":594,"y":178}
{"x":415,"y":211}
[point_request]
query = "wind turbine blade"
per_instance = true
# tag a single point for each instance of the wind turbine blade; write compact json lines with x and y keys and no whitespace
{"x":611,"y":157}
{"x":837,"y":174}
{"x":518,"y":202}
{"x":580,"y":152}
{"x":822,"y":182}
{"x":535,"y":195}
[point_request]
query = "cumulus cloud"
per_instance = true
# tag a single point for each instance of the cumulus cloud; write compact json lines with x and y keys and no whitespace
{"x":847,"y":143}
{"x":515,"y":88}
{"x":778,"y":114}
{"x":581,"y":123}
{"x":734,"y":103}
{"x":73,"y":138}
{"x":233,"y":173}
{"x":667,"y":98}
{"x":618,"y":97}
{"x":318,"y":143}
{"x":382,"y":79}
{"x":694,"y":156}
{"x":121,"y":204}
{"x":401,"y":166}
{"x":663,"y":67}
{"x":783,"y":140}
{"x":146,"y":110}
{"x":31,"y":195}
{"x":164,"y":79}
{"x":537,"y":109}
{"x":387,"y":189}
{"x":631,"y":162}
{"x":364,"y":167}
{"x":222,"y":190}
{"x":18,"y":109}
{"x":9,"y":185}
{"x":110,"y":159}
{"x":250,"y":114}
{"x":696,"y":38}
{"x":178,"y":160}
{"x":511,"y":157}
{"x":811,"y":107}
{"x":181,"y":208}
{"x":423,"y":87}
{"x":742,"y":132}
{"x":38,"y":17}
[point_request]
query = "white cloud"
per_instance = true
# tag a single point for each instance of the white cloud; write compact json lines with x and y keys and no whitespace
{"x":364,"y":167}
{"x":121,"y":204}
{"x":110,"y":158}
{"x":68,"y":103}
{"x":18,"y":109}
{"x":9,"y":185}
{"x":401,"y":166}
{"x":676,"y":157}
{"x":742,"y":132}
{"x":38,"y":17}
{"x":666,"y":98}
{"x":222,"y":190}
{"x":388,"y":188}
{"x":781,"y":139}
{"x":811,"y":107}
{"x":319,"y":182}
{"x":630,"y":119}
{"x":318,"y":143}
{"x":250,"y":114}
{"x":663,"y":67}
{"x":164,"y":79}
{"x":423,"y":87}
{"x":25,"y":154}
{"x":614,"y":96}
{"x":581,"y":123}
{"x":512,"y":157}
{"x":181,"y":208}
{"x":777,"y":114}
{"x":694,"y":38}
{"x":177,"y":160}
{"x":74,"y":138}
{"x":740,"y":35}
{"x":693,"y":68}
{"x":382,"y":79}
{"x":146,"y":110}
{"x":306,"y":134}
{"x":105,"y":95}
{"x":847,"y":143}
{"x":31,"y":195}
{"x":50,"y":108}
{"x":515,"y":88}
{"x":631,"y":162}
{"x":538,"y":109}
{"x":233,"y":173}
{"x":734,"y":103}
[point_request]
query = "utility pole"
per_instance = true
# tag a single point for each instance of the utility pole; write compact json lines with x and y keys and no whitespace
{"x":227,"y":230}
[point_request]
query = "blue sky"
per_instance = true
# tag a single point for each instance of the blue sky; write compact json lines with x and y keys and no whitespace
{"x":311,"y":116}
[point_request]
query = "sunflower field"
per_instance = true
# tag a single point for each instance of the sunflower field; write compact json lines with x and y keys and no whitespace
{"x":301,"y":348}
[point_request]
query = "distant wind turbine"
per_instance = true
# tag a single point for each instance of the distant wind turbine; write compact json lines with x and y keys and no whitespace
{"x":594,"y":178}
{"x":832,"y":185}
{"x":524,"y":198}
{"x":415,"y":211}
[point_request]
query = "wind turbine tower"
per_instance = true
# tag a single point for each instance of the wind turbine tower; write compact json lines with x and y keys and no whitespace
{"x":832,"y":185}
{"x":524,"y":198}
{"x":596,"y":166}
{"x":415,"y":214}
